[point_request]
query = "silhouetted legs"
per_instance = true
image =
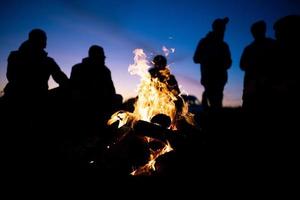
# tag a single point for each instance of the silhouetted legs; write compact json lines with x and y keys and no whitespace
{"x":250,"y":103}
{"x":204,"y":100}
{"x":212,"y":96}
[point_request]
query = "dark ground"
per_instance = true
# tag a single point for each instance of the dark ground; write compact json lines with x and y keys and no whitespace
{"x":225,"y":142}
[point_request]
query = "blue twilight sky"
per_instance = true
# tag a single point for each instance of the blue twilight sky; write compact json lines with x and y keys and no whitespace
{"x":120,"y":26}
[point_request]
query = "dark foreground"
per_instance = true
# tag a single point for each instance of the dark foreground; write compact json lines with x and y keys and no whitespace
{"x":228,"y":141}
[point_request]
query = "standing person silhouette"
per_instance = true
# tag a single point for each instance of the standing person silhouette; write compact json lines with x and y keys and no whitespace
{"x":257,"y":61}
{"x":213,"y":54}
{"x":285,"y":77}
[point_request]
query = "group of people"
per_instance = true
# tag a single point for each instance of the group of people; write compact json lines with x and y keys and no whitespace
{"x":74,"y":112}
{"x":89,"y":95}
{"x":269,"y":64}
{"x":264,"y":130}
{"x":29,"y":69}
{"x":37,"y":118}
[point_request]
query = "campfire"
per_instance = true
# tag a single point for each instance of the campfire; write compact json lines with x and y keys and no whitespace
{"x":156,"y":115}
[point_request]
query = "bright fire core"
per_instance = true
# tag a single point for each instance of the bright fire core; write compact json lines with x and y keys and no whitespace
{"x":154,"y":97}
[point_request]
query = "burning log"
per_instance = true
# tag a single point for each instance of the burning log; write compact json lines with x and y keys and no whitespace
{"x":125,"y":152}
{"x":143,"y":128}
{"x":162,"y":120}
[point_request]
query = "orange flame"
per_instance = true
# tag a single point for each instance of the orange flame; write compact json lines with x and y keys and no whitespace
{"x":154,"y":97}
{"x":153,"y":156}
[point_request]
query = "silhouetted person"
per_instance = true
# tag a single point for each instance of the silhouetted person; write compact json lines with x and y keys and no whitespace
{"x":287,"y":34}
{"x":257,"y":61}
{"x":94,"y":99}
{"x":160,"y":71}
{"x":30,"y":68}
{"x":92,"y":83}
{"x":28,"y":109}
{"x":214,"y":56}
{"x":280,"y":125}
{"x":285,"y":78}
{"x":163,"y":74}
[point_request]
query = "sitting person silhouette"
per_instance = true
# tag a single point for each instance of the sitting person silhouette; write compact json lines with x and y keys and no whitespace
{"x":92,"y":84}
{"x":30,"y":68}
{"x":160,"y":71}
{"x":30,"y":119}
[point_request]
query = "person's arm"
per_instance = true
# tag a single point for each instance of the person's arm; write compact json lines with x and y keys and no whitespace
{"x":58,"y":75}
{"x":228,"y":60}
{"x":173,"y":84}
{"x":197,"y":58}
{"x":111,"y":83}
{"x":244,"y":62}
{"x":12,"y":65}
{"x":75,"y":76}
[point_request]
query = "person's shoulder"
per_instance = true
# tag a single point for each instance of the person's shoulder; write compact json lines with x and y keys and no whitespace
{"x":81,"y":65}
{"x":250,"y":46}
{"x":153,"y":71}
{"x":77,"y":67}
{"x":225,"y":43}
{"x":106,"y":69}
{"x":172,"y":77}
{"x":224,"y":46}
{"x":50,"y":59}
{"x":205,"y":40}
{"x":270,"y":41}
{"x":13,"y":55}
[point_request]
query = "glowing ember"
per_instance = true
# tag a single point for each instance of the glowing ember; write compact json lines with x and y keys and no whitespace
{"x":153,"y":156}
{"x":154,"y":97}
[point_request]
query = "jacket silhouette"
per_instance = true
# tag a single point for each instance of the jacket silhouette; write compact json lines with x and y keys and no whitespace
{"x":163,"y":74}
{"x":30,"y":116}
{"x":29,"y":69}
{"x":92,"y":83}
{"x":257,"y":61}
{"x":285,"y":77}
{"x":213,"y":54}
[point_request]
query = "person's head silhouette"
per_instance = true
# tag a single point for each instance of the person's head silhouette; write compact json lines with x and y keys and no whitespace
{"x":287,"y":30}
{"x":219,"y":25}
{"x":38,"y":38}
{"x":96,"y":52}
{"x":160,"y":62}
{"x":258,"y":30}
